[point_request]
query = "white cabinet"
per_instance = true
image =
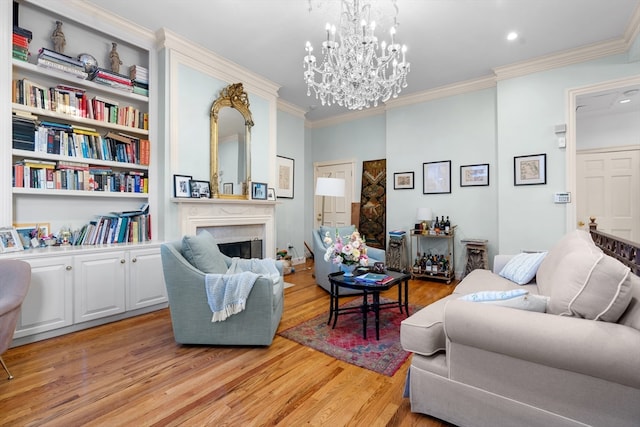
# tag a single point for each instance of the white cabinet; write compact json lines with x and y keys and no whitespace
{"x":99,"y":285}
{"x":146,"y":280}
{"x":49,"y":302}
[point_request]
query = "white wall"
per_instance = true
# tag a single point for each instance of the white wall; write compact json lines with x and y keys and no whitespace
{"x":609,"y":130}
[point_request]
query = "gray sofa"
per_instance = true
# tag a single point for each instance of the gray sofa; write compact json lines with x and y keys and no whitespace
{"x":481,"y":364}
{"x":185,"y":263}
{"x":322,"y":268}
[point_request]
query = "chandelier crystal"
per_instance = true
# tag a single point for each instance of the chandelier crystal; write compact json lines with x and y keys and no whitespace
{"x":356,"y":71}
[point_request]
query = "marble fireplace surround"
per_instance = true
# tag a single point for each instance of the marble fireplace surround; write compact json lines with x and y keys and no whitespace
{"x":230,"y":220}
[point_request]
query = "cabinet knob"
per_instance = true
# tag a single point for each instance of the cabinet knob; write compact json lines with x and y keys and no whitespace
{"x":122,"y":261}
{"x":68,"y":268}
{"x":134,"y":260}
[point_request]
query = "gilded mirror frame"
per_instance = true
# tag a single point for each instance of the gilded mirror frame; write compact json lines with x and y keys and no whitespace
{"x":232,"y":96}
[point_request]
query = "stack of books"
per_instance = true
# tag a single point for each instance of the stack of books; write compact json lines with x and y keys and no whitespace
{"x":58,"y":61}
{"x":140,"y":78}
{"x":374,"y":278}
{"x":110,"y":78}
{"x":21,"y":40}
{"x":24,"y":130}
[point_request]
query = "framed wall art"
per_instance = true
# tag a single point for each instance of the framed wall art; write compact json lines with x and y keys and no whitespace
{"x":200,"y":189}
{"x":474,"y":175}
{"x":403,"y":181}
{"x":271,"y":193}
{"x":436,"y":177}
{"x":259,"y":190}
{"x":530,"y":170}
{"x":181,"y":185}
{"x":285,"y":169}
{"x":10,"y":240}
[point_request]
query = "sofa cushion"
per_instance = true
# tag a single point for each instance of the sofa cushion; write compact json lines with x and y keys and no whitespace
{"x":203,"y":253}
{"x":520,"y":299}
{"x":585,"y":282}
{"x":522,"y":267}
{"x":481,"y":280}
{"x":423,"y":331}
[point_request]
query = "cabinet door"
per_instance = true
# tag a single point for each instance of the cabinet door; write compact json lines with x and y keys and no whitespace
{"x":146,"y":281}
{"x":99,"y":283}
{"x":48,"y":304}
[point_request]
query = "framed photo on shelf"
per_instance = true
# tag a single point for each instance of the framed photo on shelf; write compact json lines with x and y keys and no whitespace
{"x":436,"y":177}
{"x":227,"y":188}
{"x":285,"y":169}
{"x":28,"y":232}
{"x":403,"y":181}
{"x":200,"y":189}
{"x":181,"y":186}
{"x":474,"y":175}
{"x":259,"y":190}
{"x":530,"y":170}
{"x":10,"y":240}
{"x":271,"y":193}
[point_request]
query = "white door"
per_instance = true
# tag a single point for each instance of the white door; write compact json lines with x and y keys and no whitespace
{"x":337,"y":210}
{"x":608,"y":188}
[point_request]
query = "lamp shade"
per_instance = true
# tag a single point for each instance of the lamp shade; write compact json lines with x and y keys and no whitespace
{"x":330,"y":187}
{"x":424,"y":214}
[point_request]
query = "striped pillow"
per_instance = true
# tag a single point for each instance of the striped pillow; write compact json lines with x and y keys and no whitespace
{"x":522,"y":267}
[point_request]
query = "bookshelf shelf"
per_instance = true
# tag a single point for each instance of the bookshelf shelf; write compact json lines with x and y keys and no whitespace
{"x":68,"y":118}
{"x":22,"y":154}
{"x":79,"y":193}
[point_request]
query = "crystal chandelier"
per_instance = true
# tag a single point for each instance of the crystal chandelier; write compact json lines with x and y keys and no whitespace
{"x":355,"y":71}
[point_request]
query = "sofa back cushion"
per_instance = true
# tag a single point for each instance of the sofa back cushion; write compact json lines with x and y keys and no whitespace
{"x":582,"y":281}
{"x":203,"y":253}
{"x":631,"y":316}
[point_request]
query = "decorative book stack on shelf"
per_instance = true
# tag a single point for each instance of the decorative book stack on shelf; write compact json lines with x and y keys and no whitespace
{"x":20,"y":46}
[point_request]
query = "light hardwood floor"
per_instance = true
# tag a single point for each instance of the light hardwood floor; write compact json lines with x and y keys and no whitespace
{"x":132,"y":373}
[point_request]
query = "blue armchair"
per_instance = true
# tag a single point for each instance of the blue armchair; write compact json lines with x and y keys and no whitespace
{"x":323,"y":268}
{"x":185,"y":263}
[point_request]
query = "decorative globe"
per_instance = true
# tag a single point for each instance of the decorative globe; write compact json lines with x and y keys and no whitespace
{"x":90,"y":63}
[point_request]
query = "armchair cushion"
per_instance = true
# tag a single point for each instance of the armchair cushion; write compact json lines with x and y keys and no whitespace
{"x":203,"y":253}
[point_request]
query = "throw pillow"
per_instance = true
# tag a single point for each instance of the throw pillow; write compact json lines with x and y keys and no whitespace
{"x":522,"y":267}
{"x":520,"y":299}
{"x":203,"y":253}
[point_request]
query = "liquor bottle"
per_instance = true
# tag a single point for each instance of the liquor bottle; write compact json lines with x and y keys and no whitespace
{"x":436,"y":226}
{"x":447,"y":226}
{"x":428,"y":266}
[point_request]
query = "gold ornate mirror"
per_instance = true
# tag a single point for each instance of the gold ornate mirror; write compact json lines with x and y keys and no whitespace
{"x":230,"y":156}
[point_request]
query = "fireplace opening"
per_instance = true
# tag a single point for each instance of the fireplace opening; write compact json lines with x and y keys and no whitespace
{"x":246,"y":249}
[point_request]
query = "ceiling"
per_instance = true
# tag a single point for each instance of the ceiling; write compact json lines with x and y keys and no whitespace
{"x":448,"y":41}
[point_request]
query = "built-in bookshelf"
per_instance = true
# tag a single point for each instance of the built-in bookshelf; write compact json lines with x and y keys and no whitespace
{"x":92,"y":150}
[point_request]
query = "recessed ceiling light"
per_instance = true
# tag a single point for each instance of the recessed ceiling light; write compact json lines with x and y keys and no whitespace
{"x":625,"y":101}
{"x":512,"y":36}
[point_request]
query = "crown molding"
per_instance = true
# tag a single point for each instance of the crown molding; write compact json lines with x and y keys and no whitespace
{"x":633,"y":29}
{"x":346,"y":117}
{"x":102,"y":20}
{"x":444,"y":92}
{"x":290,"y":108}
{"x":562,"y":59}
{"x":217,"y":65}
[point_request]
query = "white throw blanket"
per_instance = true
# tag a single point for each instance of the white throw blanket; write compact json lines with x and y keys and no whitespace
{"x":227,"y":293}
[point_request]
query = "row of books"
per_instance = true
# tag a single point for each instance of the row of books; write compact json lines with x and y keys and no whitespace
{"x":374,"y":278}
{"x":122,"y":227}
{"x":75,"y":102}
{"x":20,"y":46}
{"x":58,"y":61}
{"x":63,"y":175}
{"x":79,"y":141}
{"x":113,"y":79}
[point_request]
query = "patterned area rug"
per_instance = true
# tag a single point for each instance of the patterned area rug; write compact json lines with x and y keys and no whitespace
{"x":345,"y":342}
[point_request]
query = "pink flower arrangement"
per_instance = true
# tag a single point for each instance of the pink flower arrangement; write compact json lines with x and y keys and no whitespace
{"x":348,"y":250}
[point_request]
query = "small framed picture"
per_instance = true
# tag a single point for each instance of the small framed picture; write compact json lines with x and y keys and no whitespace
{"x":181,"y":186}
{"x":285,"y":169}
{"x":403,"y":180}
{"x":227,"y":188}
{"x":10,"y":240}
{"x":271,"y":193}
{"x":259,"y":190}
{"x":436,"y":177}
{"x":530,"y":170}
{"x":31,"y":234}
{"x":200,"y":189}
{"x":474,"y":175}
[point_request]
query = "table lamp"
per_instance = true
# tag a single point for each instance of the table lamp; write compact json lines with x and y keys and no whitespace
{"x":424,"y":216}
{"x":326,"y":186}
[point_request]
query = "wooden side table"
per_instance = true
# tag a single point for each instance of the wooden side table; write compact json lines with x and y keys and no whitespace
{"x":476,"y":255}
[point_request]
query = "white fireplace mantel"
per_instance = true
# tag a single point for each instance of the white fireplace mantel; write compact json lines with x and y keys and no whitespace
{"x":245,"y":219}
